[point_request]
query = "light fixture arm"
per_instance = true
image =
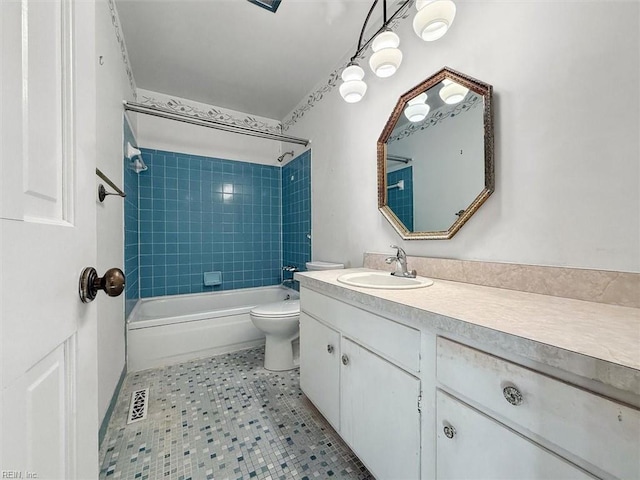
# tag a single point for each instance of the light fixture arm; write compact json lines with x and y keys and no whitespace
{"x":364,"y":27}
{"x":385,"y":24}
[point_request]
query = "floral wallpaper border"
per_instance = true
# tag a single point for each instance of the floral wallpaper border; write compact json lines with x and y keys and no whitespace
{"x":211,"y":113}
{"x":334,"y":77}
{"x":214,"y":113}
{"x":437,"y":117}
{"x":115,"y":20}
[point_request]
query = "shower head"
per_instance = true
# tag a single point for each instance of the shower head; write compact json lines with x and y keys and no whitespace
{"x":281,"y":157}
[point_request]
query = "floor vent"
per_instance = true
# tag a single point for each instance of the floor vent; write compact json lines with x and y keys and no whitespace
{"x":138,"y":408}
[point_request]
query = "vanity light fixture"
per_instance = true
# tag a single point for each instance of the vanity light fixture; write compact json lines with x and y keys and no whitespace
{"x":430,"y":23}
{"x":386,"y":56}
{"x":417,"y":108}
{"x":353,"y":87}
{"x":433,"y":19}
{"x":452,"y":92}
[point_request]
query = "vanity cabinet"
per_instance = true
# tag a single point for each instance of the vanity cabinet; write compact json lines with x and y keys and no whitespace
{"x":484,"y":416}
{"x":361,"y":387}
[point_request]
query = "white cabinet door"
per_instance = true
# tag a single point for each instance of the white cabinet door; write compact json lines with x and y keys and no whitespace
{"x":320,"y":367}
{"x":481,"y":448}
{"x":379,"y":413}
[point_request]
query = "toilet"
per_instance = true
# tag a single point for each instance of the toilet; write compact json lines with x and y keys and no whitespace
{"x":280,"y":322}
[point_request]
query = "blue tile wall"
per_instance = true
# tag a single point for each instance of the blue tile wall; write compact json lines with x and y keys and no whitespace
{"x":200,"y":214}
{"x":296,"y":211}
{"x":401,"y":201}
{"x":131,"y":250}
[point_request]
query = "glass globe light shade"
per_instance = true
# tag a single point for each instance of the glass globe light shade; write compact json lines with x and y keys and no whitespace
{"x":386,"y":56}
{"x":353,"y":87}
{"x":417,"y":108}
{"x":452,"y":92}
{"x":433,"y":18}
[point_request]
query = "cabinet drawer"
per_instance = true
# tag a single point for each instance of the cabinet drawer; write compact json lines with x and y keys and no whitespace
{"x":392,"y":340}
{"x":600,"y":431}
{"x":477,"y":447}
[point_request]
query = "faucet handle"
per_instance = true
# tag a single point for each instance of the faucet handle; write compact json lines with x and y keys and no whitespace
{"x":400,"y":252}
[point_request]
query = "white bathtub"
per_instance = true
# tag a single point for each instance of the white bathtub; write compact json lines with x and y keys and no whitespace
{"x":178,"y":328}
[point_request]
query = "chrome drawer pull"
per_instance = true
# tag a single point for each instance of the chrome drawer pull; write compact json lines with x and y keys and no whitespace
{"x":329,"y":348}
{"x":449,"y":431}
{"x":345,"y":360}
{"x":512,"y":395}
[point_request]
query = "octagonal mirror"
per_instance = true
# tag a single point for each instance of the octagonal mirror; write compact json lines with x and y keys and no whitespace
{"x":435,"y":156}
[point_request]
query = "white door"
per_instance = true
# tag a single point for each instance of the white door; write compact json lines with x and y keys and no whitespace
{"x":379,"y":416}
{"x":47,"y":235}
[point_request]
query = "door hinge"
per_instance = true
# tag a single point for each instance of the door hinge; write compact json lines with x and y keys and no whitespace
{"x":420,"y":403}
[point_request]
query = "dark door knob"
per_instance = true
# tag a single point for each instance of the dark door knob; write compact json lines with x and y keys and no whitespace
{"x":112,"y":283}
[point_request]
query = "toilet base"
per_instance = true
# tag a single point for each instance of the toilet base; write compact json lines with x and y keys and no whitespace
{"x":279,"y":354}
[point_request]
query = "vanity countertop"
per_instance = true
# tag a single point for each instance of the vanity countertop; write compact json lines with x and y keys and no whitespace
{"x":547,"y":329}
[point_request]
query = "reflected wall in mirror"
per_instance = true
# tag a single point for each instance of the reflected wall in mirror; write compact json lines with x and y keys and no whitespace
{"x":435,"y":156}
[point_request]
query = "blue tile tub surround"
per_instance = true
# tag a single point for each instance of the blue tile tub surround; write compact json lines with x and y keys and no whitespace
{"x":401,"y":201}
{"x":296,"y":211}
{"x":131,"y":218}
{"x":200,"y":214}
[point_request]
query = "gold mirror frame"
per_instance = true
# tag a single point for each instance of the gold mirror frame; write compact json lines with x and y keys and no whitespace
{"x":480,"y":88}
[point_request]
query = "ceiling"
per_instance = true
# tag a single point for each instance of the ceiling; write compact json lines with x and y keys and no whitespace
{"x":237,"y":55}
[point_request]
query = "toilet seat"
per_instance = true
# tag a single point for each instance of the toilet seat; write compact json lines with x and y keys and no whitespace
{"x":282,"y":309}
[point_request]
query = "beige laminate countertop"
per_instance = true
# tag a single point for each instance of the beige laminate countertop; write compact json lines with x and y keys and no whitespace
{"x":545,"y":328}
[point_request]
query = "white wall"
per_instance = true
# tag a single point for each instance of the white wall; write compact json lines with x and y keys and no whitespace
{"x":565,"y":78}
{"x":162,"y":134}
{"x":112,"y":88}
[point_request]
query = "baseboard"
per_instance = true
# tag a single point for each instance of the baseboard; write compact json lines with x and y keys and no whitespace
{"x":112,"y":404}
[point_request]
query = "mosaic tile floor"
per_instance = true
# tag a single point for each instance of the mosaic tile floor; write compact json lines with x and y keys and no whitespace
{"x":224,"y":417}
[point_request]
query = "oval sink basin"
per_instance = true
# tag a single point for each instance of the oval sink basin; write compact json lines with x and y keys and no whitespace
{"x":383,"y":280}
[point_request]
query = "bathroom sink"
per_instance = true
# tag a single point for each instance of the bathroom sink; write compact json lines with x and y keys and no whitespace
{"x":383,"y":280}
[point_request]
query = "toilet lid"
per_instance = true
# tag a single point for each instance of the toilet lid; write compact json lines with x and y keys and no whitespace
{"x":286,"y":308}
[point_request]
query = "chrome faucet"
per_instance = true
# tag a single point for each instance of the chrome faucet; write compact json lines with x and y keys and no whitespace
{"x":401,"y":263}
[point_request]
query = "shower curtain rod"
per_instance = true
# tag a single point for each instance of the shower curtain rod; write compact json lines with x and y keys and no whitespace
{"x":398,"y":158}
{"x":205,"y":122}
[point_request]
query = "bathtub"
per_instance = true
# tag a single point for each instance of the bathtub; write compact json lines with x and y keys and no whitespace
{"x":178,"y":328}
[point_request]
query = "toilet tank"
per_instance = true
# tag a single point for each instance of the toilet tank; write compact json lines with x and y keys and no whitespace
{"x":318,"y":265}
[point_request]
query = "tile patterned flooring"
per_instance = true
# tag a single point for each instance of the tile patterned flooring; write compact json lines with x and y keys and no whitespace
{"x":224,"y":417}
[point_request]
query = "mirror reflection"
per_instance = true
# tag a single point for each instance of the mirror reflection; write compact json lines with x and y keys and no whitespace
{"x":435,"y":156}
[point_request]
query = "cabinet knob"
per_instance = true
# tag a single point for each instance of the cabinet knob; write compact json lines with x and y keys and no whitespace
{"x":449,"y":431}
{"x":329,"y":348}
{"x":512,"y":395}
{"x":345,"y":360}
